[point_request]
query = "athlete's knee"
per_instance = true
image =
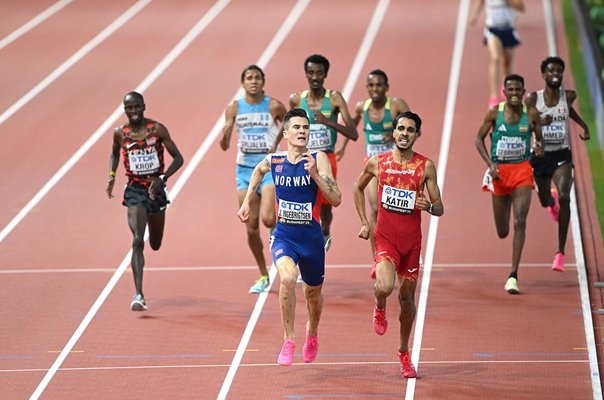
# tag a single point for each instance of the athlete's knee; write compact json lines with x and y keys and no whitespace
{"x":289,"y":281}
{"x":138,"y":243}
{"x":564,"y":198}
{"x":155,"y":244}
{"x":383,"y":289}
{"x":520,"y":222}
{"x":253,"y":232}
{"x":269,"y":221}
{"x":503,"y":231}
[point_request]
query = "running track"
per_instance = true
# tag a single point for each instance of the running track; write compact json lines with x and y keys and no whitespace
{"x":67,"y":328}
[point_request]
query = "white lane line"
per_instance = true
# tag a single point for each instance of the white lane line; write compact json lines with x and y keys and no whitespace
{"x":32,"y":23}
{"x":588,"y":325}
{"x":71,"y":61}
{"x":253,"y":267}
{"x":199,"y":27}
{"x":460,"y":34}
{"x":274,"y":365}
{"x":268,"y":54}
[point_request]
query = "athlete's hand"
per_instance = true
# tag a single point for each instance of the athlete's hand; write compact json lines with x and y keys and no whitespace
{"x":421,"y":203}
{"x":109,"y":189}
{"x":156,"y":185}
{"x":311,"y":165}
{"x":539,"y":152}
{"x":388,"y":138}
{"x":340,"y":153}
{"x":364,"y":233}
{"x":494,"y":171}
{"x":320,"y":118}
{"x":244,"y":212}
{"x":584,"y":135}
{"x":547,"y":119}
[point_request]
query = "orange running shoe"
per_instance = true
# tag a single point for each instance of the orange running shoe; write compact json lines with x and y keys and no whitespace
{"x":407,"y":368}
{"x":380,"y":323}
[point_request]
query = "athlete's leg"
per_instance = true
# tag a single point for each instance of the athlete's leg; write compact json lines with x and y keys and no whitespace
{"x":326,"y":218}
{"x":385,"y":278}
{"x":502,"y":206}
{"x":156,"y":224}
{"x":253,"y":230}
{"x":137,"y":221}
{"x":544,"y":187}
{"x":496,"y":59}
{"x":288,"y":274}
{"x":508,"y":57}
{"x":267,"y":206}
{"x":563,"y":179}
{"x":314,"y":306}
{"x":521,"y":200}
{"x":406,"y":299}
{"x":372,"y":190}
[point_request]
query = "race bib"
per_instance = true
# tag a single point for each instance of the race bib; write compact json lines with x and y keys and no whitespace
{"x":553,"y":133}
{"x":293,"y":213}
{"x":320,"y":137}
{"x":375,"y":149}
{"x":398,"y":200}
{"x":253,"y":143}
{"x":511,"y":148}
{"x":143,"y":164}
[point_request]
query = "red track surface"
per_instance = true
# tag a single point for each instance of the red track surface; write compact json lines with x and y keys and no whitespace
{"x":478,"y":342}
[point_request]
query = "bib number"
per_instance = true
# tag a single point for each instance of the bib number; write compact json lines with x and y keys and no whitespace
{"x":293,"y":213}
{"x":398,"y":200}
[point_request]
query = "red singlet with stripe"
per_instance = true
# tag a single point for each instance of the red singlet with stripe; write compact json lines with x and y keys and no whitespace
{"x":143,"y":158}
{"x":398,"y":187}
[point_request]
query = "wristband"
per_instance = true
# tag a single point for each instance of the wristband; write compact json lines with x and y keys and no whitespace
{"x":430,"y":208}
{"x":163,"y":178}
{"x":112,"y":174}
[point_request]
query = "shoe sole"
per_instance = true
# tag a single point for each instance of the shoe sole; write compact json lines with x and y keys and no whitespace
{"x":513,"y":291}
{"x":558,"y":269}
{"x":136,"y":306}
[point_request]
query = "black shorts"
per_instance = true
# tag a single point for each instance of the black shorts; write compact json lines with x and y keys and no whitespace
{"x":508,"y":36}
{"x":546,"y":166}
{"x":138,"y":195}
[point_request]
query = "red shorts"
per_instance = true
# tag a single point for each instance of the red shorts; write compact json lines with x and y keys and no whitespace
{"x":403,"y":252}
{"x":513,"y":176}
{"x":334,"y":171}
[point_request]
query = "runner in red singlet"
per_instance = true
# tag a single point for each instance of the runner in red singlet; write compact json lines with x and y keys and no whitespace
{"x":402,"y":175}
{"x":142,"y":143}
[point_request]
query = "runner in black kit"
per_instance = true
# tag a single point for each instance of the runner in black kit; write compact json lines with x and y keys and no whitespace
{"x":142,"y":143}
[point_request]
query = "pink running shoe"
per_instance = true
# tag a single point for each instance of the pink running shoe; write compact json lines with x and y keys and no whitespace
{"x":493,"y":101}
{"x":555,"y":209}
{"x":286,"y":357}
{"x":310,"y":349}
{"x":558,"y":264}
{"x":407,"y":368}
{"x":380,"y":323}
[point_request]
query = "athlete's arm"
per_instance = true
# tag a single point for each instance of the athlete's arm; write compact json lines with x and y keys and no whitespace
{"x":517,"y":4}
{"x":277,"y":110}
{"x":338,"y":106}
{"x":435,"y":205}
{"x":320,"y":172}
{"x":261,"y":169}
{"x":358,"y":193}
{"x":535,"y":123}
{"x":571,"y":96}
{"x":114,"y":160}
{"x":294,"y":100}
{"x":229,"y":121}
{"x":487,"y":125}
{"x":531,"y":101}
{"x":358,"y":115}
{"x":476,"y":13}
{"x":177,"y":159}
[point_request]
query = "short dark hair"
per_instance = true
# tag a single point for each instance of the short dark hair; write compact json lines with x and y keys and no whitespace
{"x":317,"y":59}
{"x":294,"y":112}
{"x":136,"y":95}
{"x":513,"y":77}
{"x":410,"y":115}
{"x":252,"y":67}
{"x":552,"y":60}
{"x":379,"y":72}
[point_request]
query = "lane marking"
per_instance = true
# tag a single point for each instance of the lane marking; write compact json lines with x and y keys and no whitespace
{"x":71,"y":61}
{"x":32,"y":23}
{"x":435,"y":266}
{"x":275,"y":365}
{"x":180,"y":47}
{"x":454,"y":74}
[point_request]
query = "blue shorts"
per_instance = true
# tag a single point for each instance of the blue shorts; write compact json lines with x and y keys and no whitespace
{"x":307,"y":251}
{"x":244,"y":174}
{"x":508,"y":36}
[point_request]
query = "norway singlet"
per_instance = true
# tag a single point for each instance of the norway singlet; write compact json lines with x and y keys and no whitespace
{"x":510,"y":144}
{"x":398,"y":187}
{"x":143,"y":158}
{"x":555,"y":135}
{"x":375,"y":131}
{"x":321,"y":137}
{"x":256,"y":130}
